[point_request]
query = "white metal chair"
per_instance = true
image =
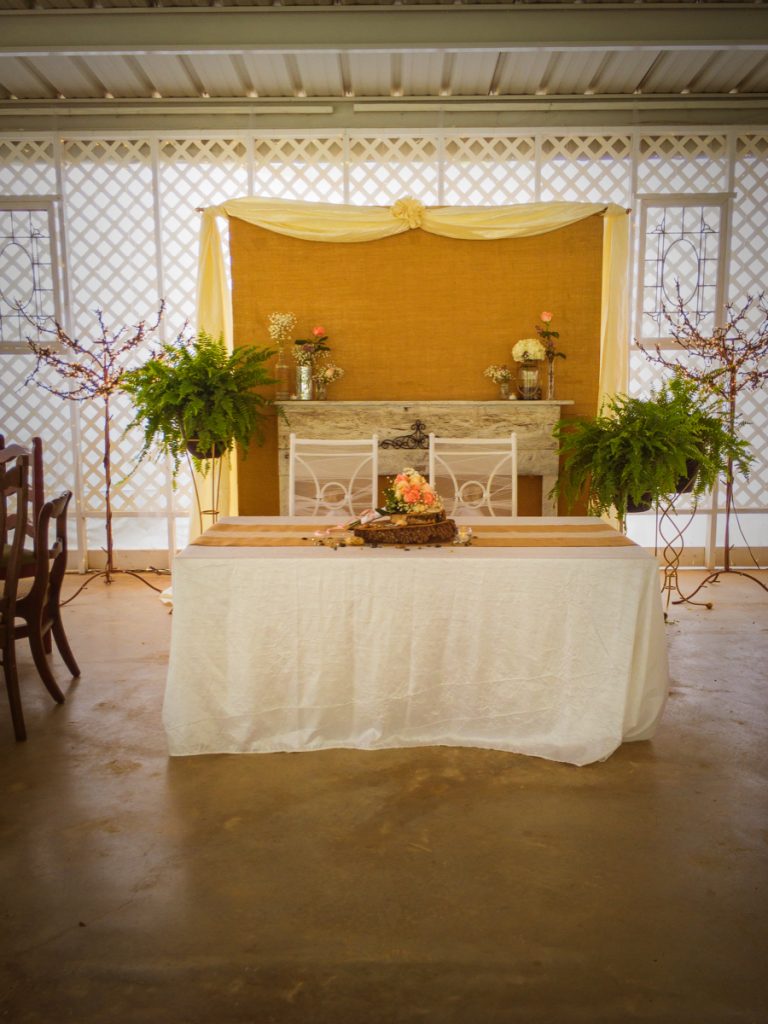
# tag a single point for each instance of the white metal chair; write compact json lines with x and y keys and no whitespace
{"x":332,"y":477}
{"x":475,"y":475}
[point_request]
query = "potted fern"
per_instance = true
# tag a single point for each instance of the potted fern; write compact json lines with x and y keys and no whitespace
{"x":640,"y":450}
{"x":195,"y":398}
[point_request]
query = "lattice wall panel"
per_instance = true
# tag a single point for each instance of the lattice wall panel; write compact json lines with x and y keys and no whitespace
{"x":27,"y":167}
{"x":751,"y":493}
{"x":113,"y":267}
{"x":311,"y":169}
{"x":192,"y":173}
{"x":483,"y":170}
{"x":28,"y":411}
{"x":383,"y":169}
{"x":586,"y":169}
{"x":682,"y":163}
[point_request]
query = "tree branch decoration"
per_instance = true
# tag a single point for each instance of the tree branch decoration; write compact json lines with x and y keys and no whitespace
{"x":88,"y":370}
{"x":724,"y":364}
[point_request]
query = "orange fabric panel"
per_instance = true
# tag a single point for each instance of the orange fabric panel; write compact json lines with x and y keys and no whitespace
{"x":419,"y":316}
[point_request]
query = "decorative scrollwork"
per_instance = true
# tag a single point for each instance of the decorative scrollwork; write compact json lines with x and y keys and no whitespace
{"x":418,"y":439}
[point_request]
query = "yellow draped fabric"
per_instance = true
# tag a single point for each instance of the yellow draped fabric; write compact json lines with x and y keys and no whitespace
{"x":328,"y":222}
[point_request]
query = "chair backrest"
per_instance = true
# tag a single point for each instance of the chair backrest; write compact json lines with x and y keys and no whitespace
{"x":14,"y":515}
{"x":332,"y":477}
{"x":475,"y":475}
{"x":51,"y":544}
{"x":37,"y":488}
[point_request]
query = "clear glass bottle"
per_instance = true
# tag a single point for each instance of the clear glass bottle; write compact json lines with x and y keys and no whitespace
{"x":282,"y":375}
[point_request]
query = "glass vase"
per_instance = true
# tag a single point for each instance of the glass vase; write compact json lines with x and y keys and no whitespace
{"x":321,"y":390}
{"x":528,"y":387}
{"x":304,"y":382}
{"x":550,"y":380}
{"x":282,"y":377}
{"x":503,"y":389}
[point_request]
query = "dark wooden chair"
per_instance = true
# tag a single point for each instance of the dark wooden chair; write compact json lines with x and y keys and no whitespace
{"x":14,"y":503}
{"x":43,"y":564}
{"x":40,"y":607}
{"x":37,"y":498}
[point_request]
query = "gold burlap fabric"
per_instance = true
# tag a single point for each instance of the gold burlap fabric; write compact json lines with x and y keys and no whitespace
{"x":420,"y":316}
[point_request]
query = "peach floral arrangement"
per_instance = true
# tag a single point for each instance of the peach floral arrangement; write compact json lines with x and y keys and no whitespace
{"x":410,"y":492}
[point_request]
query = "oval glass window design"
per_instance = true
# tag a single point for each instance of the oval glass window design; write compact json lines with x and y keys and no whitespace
{"x":680,"y":266}
{"x":17,"y":281}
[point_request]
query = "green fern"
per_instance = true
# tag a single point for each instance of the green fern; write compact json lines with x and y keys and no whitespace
{"x":639,"y":450}
{"x":197,"y":391}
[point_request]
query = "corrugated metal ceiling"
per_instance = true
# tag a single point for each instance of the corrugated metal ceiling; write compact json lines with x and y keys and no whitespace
{"x":108,"y":51}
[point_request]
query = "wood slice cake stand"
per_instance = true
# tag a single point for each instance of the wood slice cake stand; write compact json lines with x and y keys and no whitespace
{"x":409,"y":528}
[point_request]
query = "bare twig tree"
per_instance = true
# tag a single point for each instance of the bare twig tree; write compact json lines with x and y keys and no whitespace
{"x":730,"y":360}
{"x":88,"y":370}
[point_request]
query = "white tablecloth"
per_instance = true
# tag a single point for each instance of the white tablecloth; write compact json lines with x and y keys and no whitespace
{"x":555,"y":652}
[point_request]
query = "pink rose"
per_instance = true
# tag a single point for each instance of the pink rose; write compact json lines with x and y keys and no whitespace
{"x":546,"y":317}
{"x":400,"y":478}
{"x":429,"y":498}
{"x":412,"y":495}
{"x":318,"y":331}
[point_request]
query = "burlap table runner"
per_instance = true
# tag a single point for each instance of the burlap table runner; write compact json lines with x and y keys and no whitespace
{"x":491,"y":535}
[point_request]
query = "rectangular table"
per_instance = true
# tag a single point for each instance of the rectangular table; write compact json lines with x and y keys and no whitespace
{"x":552,"y":645}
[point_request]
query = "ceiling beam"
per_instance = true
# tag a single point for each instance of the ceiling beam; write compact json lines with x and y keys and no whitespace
{"x":397,"y":28}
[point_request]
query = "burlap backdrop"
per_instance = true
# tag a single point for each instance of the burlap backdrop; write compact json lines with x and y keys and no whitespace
{"x":419,"y":316}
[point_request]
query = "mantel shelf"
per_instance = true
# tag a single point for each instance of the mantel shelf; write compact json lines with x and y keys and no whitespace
{"x":292,"y":403}
{"x":532,"y":421}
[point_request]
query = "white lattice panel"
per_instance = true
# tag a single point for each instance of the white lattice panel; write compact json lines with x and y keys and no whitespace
{"x":192,"y":173}
{"x":482,"y":170}
{"x":113,"y":267}
{"x":311,"y":169}
{"x":682,"y":163}
{"x":586,"y":168}
{"x":28,"y":411}
{"x":27,"y":167}
{"x":748,"y":270}
{"x":383,"y":169}
{"x":749,"y":276}
{"x":110,"y":230}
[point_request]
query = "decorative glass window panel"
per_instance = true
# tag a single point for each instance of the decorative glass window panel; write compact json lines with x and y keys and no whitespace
{"x":28,"y":271}
{"x":681,"y":260}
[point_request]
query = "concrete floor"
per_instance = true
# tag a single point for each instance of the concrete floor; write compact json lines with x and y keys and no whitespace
{"x":436,"y":885}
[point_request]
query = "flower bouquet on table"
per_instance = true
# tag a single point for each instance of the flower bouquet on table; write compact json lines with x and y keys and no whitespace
{"x":412,"y":514}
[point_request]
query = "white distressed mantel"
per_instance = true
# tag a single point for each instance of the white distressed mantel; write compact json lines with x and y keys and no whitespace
{"x":531,"y":421}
